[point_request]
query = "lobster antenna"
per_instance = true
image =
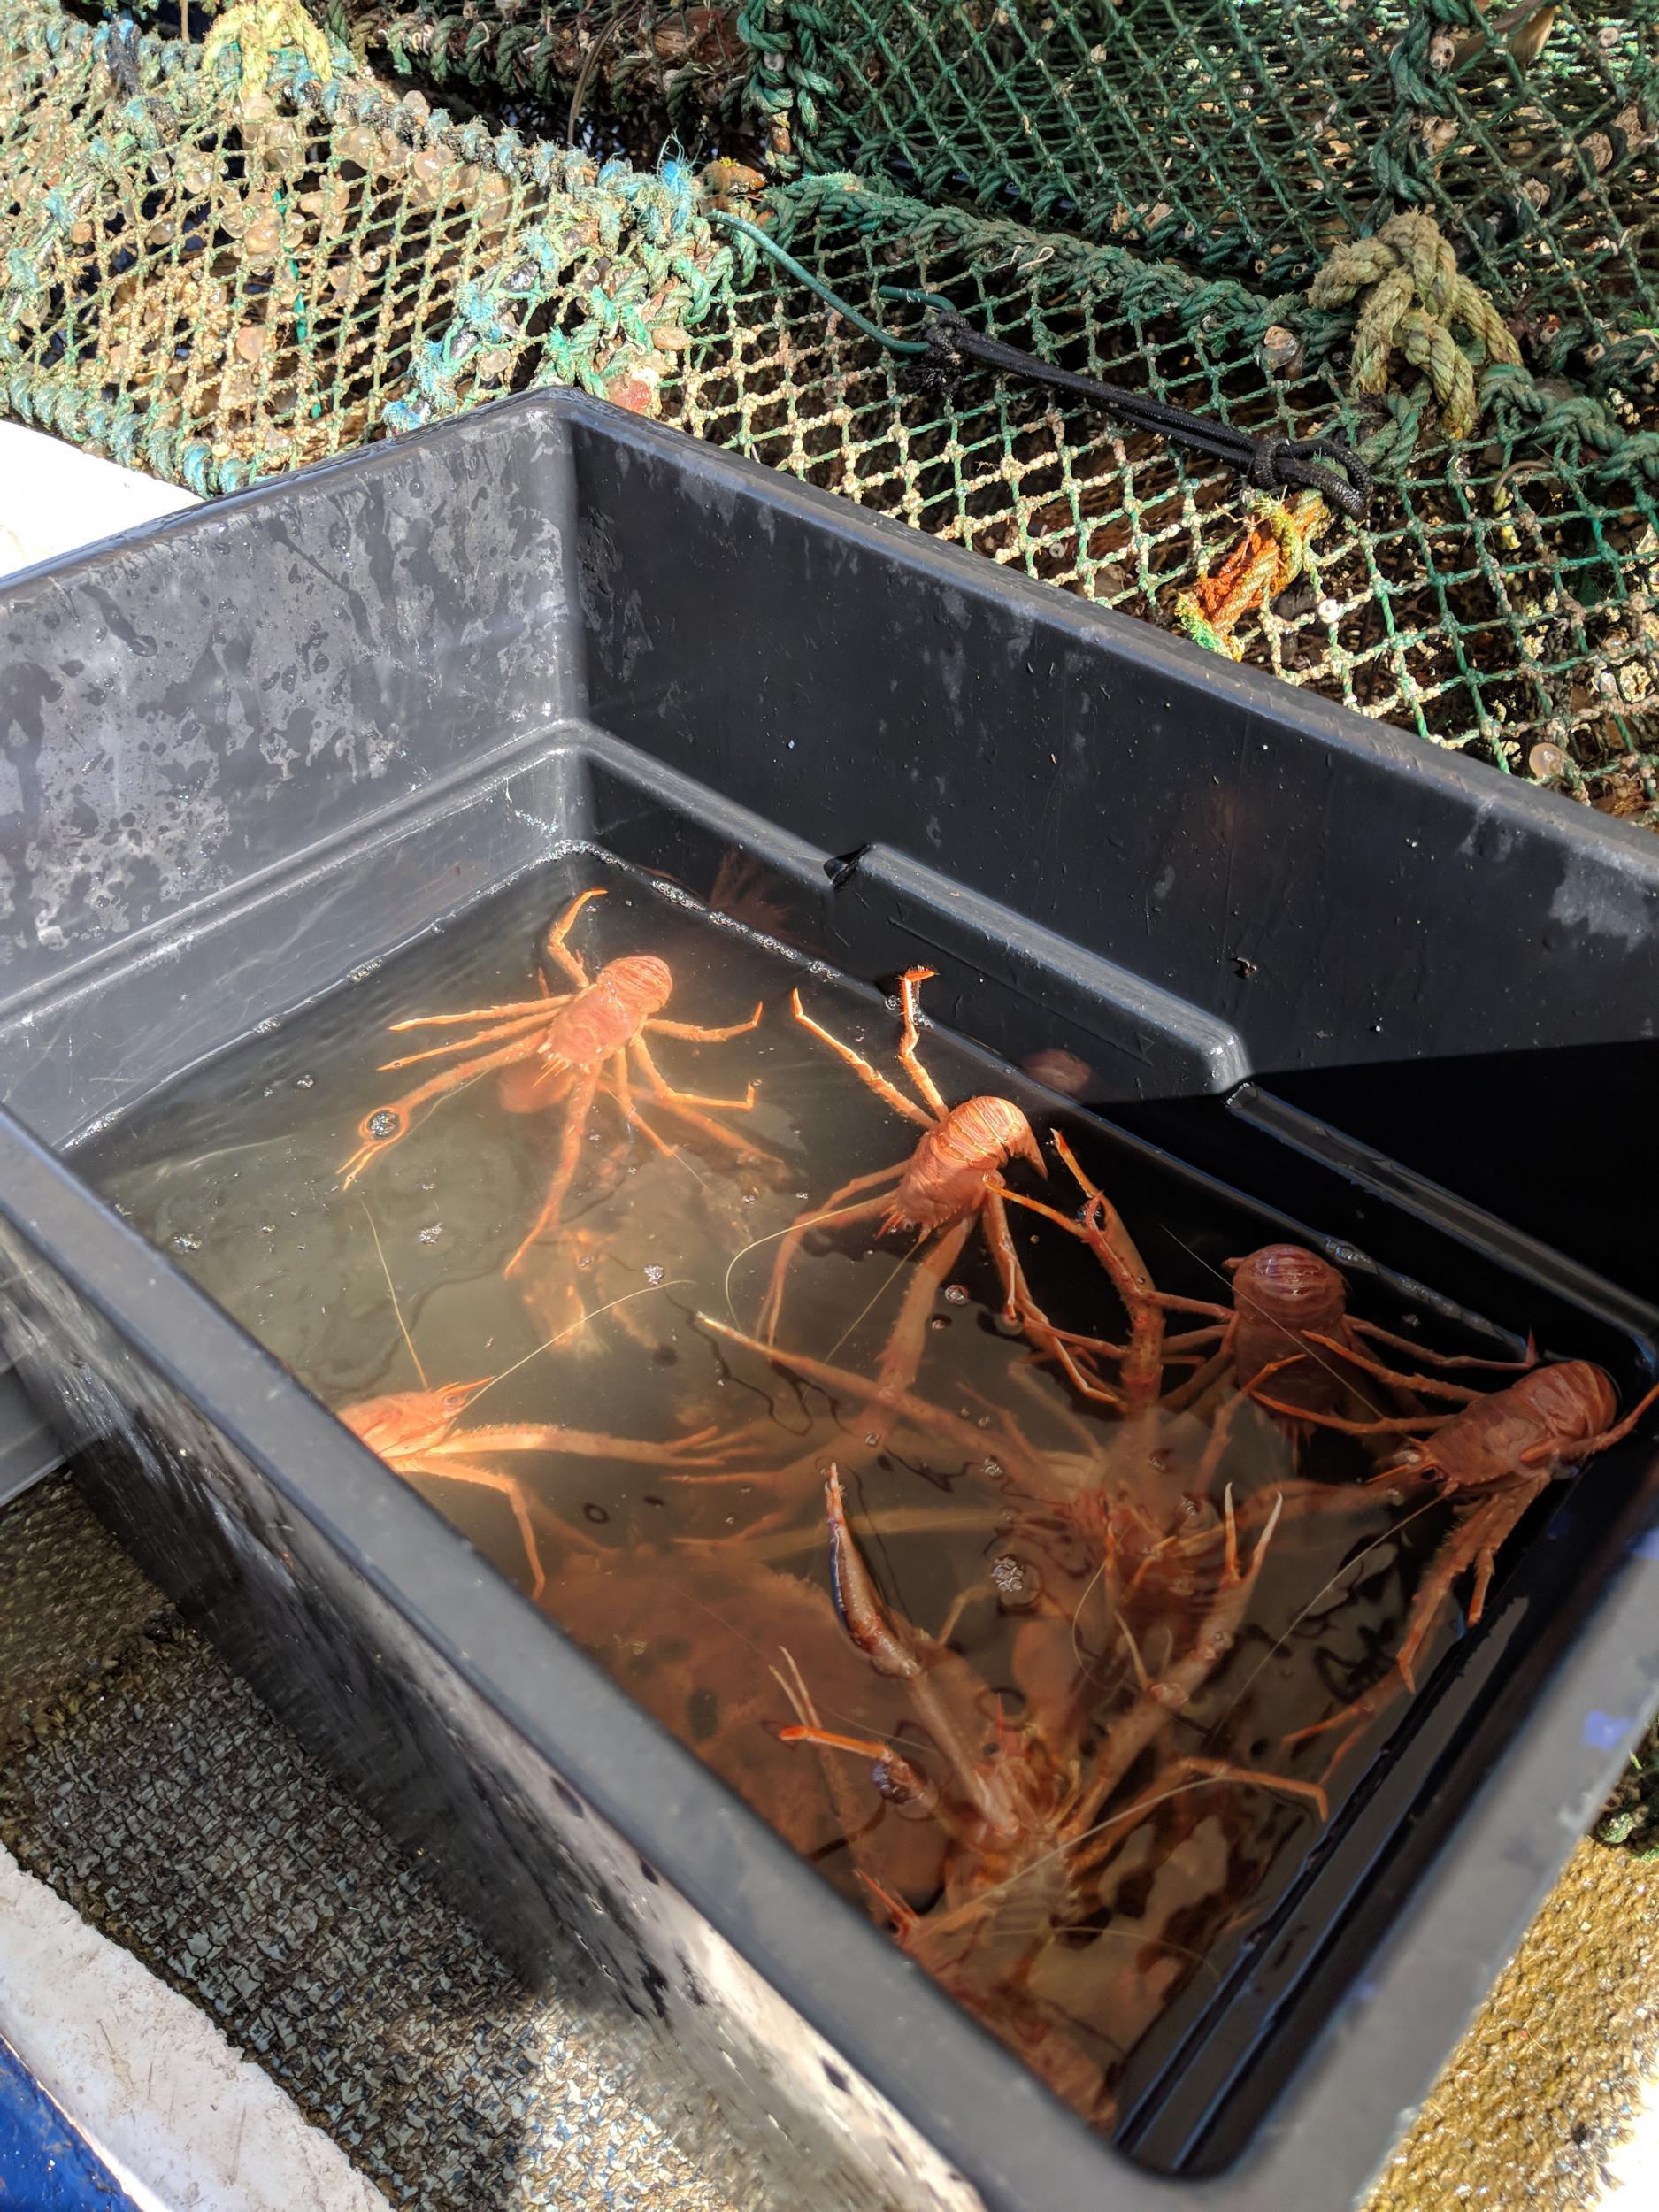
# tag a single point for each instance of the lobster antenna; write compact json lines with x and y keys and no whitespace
{"x":773,"y":1236}
{"x":880,"y":1291}
{"x":679,"y":1282}
{"x":392,"y":1290}
{"x":1098,"y":1575}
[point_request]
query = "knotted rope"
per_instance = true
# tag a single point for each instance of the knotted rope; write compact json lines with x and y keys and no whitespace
{"x":1416,"y":300}
{"x":1266,"y":560}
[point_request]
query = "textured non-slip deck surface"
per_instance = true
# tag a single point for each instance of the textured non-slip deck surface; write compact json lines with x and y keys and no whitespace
{"x":144,"y":1784}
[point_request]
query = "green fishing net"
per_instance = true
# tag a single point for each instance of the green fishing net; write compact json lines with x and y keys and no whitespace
{"x":1432,"y":233}
{"x":1249,"y":137}
{"x":214,"y":284}
{"x":1500,"y":594}
{"x":625,"y":72}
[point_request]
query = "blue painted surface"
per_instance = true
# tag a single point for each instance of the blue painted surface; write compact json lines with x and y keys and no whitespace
{"x":1605,"y":1731}
{"x":45,"y":2165}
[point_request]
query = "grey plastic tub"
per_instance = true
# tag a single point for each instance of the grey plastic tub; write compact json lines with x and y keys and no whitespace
{"x":253,"y":748}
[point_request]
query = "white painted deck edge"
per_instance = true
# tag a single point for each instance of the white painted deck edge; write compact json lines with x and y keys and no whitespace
{"x":55,"y":498}
{"x":157,"y":2090}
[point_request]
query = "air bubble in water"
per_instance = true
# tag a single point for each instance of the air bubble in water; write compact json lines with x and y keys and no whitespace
{"x":939,"y":1320}
{"x":1015,"y":1586}
{"x":186,"y":1241}
{"x":656,"y":1274}
{"x":991,"y":1469}
{"x":431,"y":1235}
{"x":304,"y":1082}
{"x":955,"y":1295}
{"x":870,"y":1440}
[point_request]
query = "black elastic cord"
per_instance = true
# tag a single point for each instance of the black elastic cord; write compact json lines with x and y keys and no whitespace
{"x":1271,"y":462}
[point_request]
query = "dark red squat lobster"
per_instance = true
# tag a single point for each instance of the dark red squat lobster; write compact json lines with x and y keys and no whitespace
{"x":1500,"y":1451}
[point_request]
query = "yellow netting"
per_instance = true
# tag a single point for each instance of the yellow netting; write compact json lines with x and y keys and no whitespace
{"x":215,"y":285}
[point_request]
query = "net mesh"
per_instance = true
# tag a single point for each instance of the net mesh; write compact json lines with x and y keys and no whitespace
{"x":1250,"y":136}
{"x":625,"y":72}
{"x":217,"y":288}
{"x":1500,"y":597}
{"x":1437,"y":237}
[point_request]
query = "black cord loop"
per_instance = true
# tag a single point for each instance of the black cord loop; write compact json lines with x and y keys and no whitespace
{"x":1272,"y":462}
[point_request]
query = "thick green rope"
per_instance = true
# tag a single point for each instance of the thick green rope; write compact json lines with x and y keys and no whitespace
{"x":1416,"y":301}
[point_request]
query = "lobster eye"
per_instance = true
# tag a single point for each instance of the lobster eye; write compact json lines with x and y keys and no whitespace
{"x":381,"y":1126}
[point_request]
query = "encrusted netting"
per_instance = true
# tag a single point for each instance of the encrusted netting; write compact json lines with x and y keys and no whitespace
{"x":215,"y":288}
{"x":1250,"y":136}
{"x":1384,"y":222}
{"x":626,"y":70}
{"x":1502,"y":594}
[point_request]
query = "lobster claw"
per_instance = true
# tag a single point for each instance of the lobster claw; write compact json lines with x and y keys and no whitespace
{"x":864,"y":1615}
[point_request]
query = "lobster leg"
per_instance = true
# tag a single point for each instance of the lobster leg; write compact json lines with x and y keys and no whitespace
{"x":687,"y":1105}
{"x":694,"y":1036}
{"x":1128,"y":1271}
{"x":1439,"y":1359}
{"x":1133,"y":1732}
{"x":510,"y":1010}
{"x":897,"y":1651}
{"x":909,"y":984}
{"x":576,"y":1112}
{"x":1190,"y":1339}
{"x":506,"y":1486}
{"x":858,"y":1819}
{"x":897,"y":1779}
{"x":555,"y":947}
{"x":1184,"y":1774}
{"x":897,"y":1368}
{"x":667,"y":1095}
{"x":376,"y":1139}
{"x":516,"y":1022}
{"x":1141,"y":1358}
{"x":1424,"y":1385}
{"x":1392,"y":1425}
{"x":1029,"y":1468}
{"x":531,"y":1436}
{"x":861,"y":1067}
{"x":766,"y":1323}
{"x":1021,"y":1308}
{"x":1475,"y":1543}
{"x":1213,"y":1370}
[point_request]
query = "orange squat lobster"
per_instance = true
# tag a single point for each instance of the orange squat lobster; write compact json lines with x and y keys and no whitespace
{"x":415,"y":1432}
{"x":1503,"y":1449}
{"x":1286,"y":1301}
{"x":950,"y":1184}
{"x":565,"y":1049}
{"x":1028,"y":1819}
